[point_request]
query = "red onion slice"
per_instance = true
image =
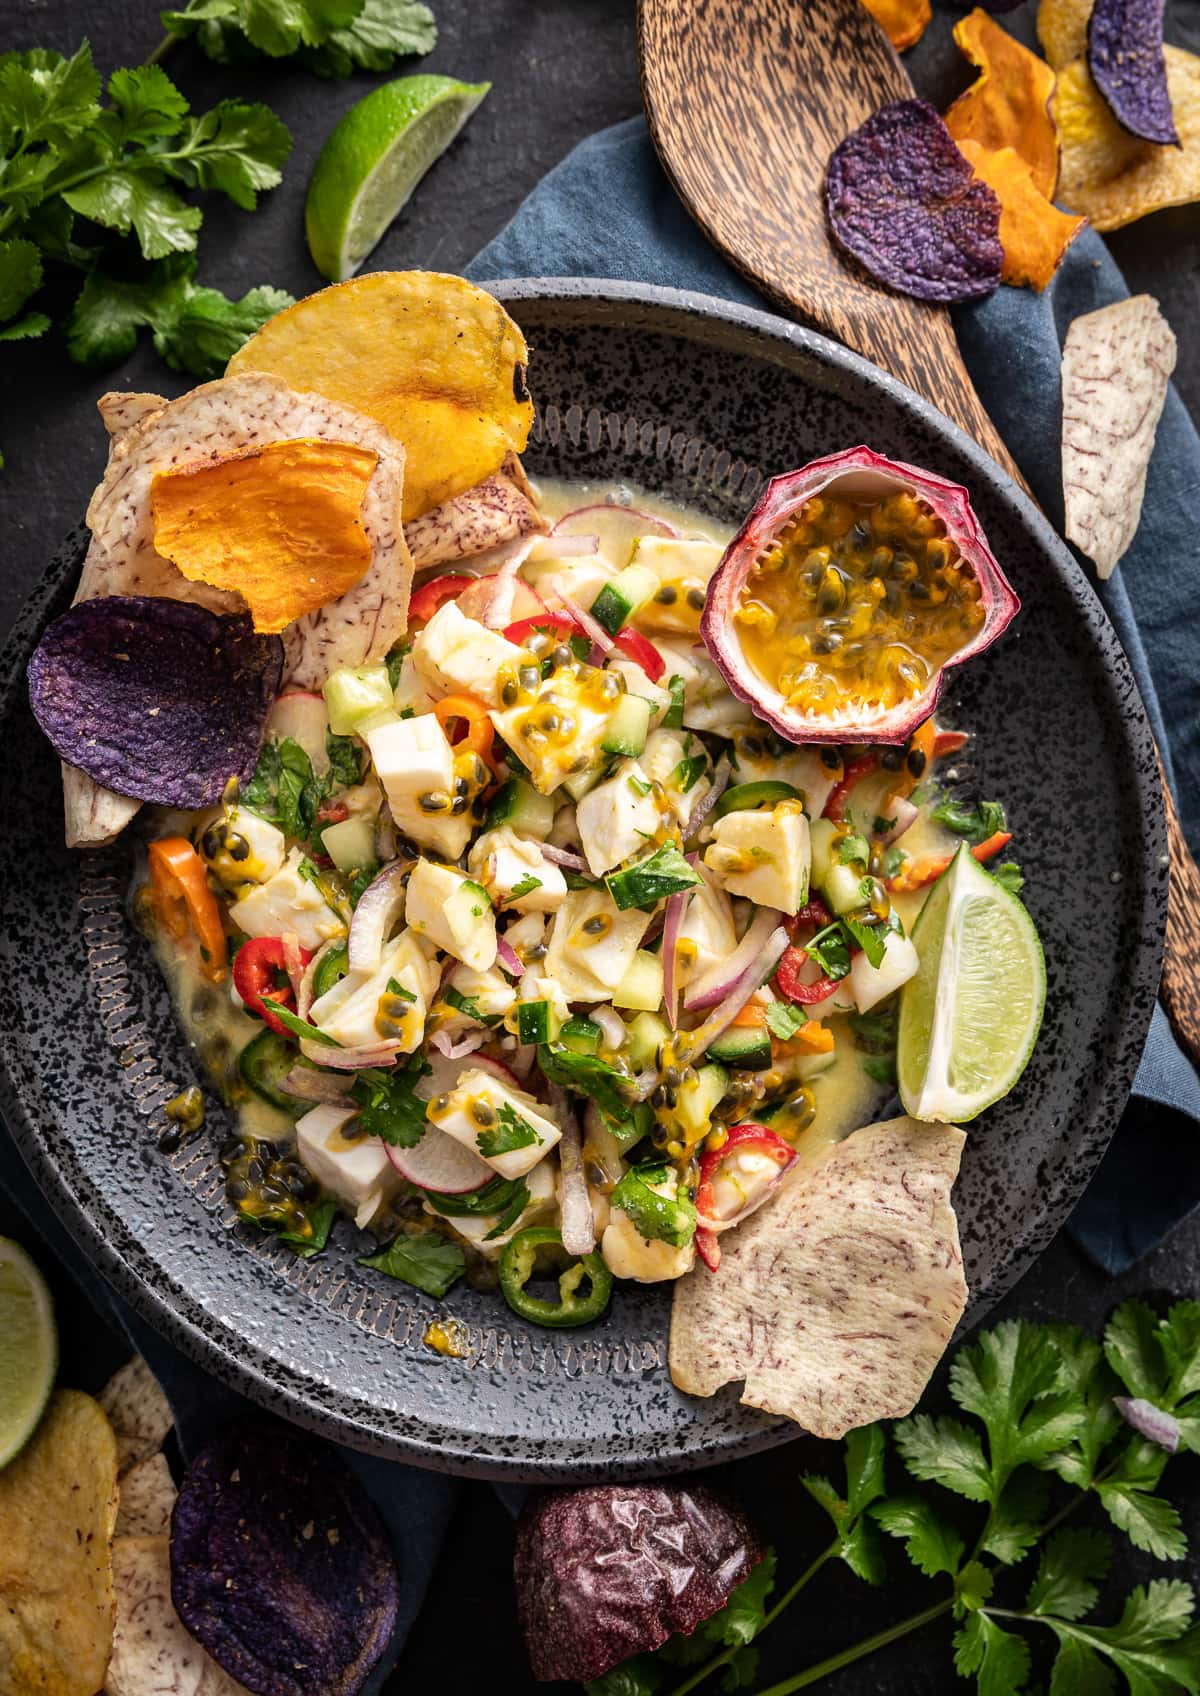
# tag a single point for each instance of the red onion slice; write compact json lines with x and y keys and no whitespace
{"x":905,"y":815}
{"x":612,"y":1025}
{"x":592,"y":629}
{"x":715,"y":984}
{"x":379,"y":906}
{"x":308,"y":1085}
{"x":858,"y":473}
{"x":676,"y":907}
{"x":563,"y":857}
{"x":509,"y":959}
{"x":456,"y":1050}
{"x":576,"y":1223}
{"x":349,"y":1059}
{"x":722,"y":772}
{"x":755,"y":974}
{"x":564,"y":547}
{"x":1149,"y":1421}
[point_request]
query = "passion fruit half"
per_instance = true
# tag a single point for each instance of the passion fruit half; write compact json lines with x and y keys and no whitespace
{"x":853,"y":587}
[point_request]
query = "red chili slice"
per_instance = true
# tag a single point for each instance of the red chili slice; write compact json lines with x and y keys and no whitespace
{"x":814,"y":913}
{"x":748,"y":1135}
{"x":635,"y":646}
{"x":549,"y":623}
{"x":835,"y":806}
{"x":787,"y":979}
{"x":254,"y":977}
{"x":430,"y":596}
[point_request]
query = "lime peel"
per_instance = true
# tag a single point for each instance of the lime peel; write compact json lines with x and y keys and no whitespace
{"x":28,"y":1348}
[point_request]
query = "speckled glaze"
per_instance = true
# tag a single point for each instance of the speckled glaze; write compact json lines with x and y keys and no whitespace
{"x":700,"y":400}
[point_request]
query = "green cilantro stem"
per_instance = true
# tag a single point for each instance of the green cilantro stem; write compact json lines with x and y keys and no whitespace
{"x":710,"y":1666}
{"x":859,"y":1651}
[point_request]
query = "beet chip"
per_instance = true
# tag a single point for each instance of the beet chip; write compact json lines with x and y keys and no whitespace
{"x":157,"y":699}
{"x":280,"y":1565}
{"x":1125,"y":55}
{"x":613,"y":1570}
{"x":902,"y":199}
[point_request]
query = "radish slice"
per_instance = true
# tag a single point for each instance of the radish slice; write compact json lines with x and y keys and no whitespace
{"x":624,"y":523}
{"x":380,"y":905}
{"x":308,"y":1085}
{"x":509,"y":959}
{"x":440,"y":1163}
{"x":491,"y":599}
{"x":564,"y":547}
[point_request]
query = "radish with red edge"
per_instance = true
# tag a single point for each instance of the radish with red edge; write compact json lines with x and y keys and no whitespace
{"x":619,"y":525}
{"x":441,"y":1164}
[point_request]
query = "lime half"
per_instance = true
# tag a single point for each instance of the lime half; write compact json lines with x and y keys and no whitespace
{"x":28,"y":1348}
{"x":374,"y":160}
{"x":971,"y":1015}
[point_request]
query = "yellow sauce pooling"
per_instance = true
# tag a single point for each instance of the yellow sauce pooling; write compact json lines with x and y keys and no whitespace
{"x":857,"y":604}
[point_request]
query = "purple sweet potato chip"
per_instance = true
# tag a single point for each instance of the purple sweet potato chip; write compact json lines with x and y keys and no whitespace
{"x":1125,"y":56}
{"x":615,"y":1569}
{"x":157,"y":699}
{"x":280,"y":1565}
{"x":902,"y":199}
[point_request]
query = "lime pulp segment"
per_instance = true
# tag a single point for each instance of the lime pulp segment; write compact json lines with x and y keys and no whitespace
{"x":28,"y":1348}
{"x":971,"y":1014}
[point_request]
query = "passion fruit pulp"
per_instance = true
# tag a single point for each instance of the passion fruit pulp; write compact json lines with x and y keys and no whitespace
{"x":854,"y":585}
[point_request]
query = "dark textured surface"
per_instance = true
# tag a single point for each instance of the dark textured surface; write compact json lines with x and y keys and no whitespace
{"x":561,"y":68}
{"x":698,"y":400}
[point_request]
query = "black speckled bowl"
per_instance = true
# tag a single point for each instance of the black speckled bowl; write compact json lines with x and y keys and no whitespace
{"x":701,"y":400}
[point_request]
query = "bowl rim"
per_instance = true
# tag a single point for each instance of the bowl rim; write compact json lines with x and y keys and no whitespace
{"x":691,"y":315}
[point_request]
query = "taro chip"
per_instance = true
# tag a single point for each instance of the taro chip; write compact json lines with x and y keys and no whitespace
{"x":1116,"y":369}
{"x":58,"y":1507}
{"x":434,"y":358}
{"x":836,"y":1302}
{"x":280,"y":1565}
{"x":1125,"y":57}
{"x":1035,"y":235}
{"x":905,"y":203}
{"x":905,"y":21}
{"x":138,"y":1412}
{"x":153,"y":1652}
{"x":278,"y":524}
{"x":1008,"y":104}
{"x":613,"y":1570}
{"x":156,"y":699}
{"x":1109,"y":175}
{"x":147,"y":1497}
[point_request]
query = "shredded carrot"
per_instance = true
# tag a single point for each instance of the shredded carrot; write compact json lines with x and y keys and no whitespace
{"x":812,"y":1038}
{"x":915,"y":874}
{"x":752,"y":1015}
{"x":181,"y":896}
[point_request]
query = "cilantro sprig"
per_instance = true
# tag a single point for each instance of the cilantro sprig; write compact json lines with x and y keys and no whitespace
{"x":77,"y":176}
{"x":1037,"y":1438}
{"x":330,"y":37}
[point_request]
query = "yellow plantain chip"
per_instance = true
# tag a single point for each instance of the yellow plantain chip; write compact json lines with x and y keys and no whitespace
{"x":904,"y":20}
{"x":1062,"y":27}
{"x":280,"y":524}
{"x":154,"y":1654}
{"x":1033,"y":232}
{"x":1109,"y":175}
{"x":58,"y":1507}
{"x":436,"y":360}
{"x":137,"y":1410}
{"x":1008,"y":104}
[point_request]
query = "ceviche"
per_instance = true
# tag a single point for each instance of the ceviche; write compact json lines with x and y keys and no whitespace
{"x":547,"y":881}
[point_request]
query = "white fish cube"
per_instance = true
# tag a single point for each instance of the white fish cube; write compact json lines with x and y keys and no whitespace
{"x":504,"y":862}
{"x":593,"y":944}
{"x":353,"y":1168}
{"x":618,"y":818}
{"x":287,"y":903}
{"x":500,"y":1123}
{"x":763,"y":856}
{"x":456,"y":654}
{"x":453,"y":913}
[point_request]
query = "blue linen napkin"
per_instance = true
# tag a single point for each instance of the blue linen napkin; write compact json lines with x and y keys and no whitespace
{"x":608,"y":211}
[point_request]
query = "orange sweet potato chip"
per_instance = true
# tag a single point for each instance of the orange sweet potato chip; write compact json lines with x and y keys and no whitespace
{"x":1108,"y":174}
{"x":435,"y":359}
{"x":904,"y":20}
{"x":1062,"y":27}
{"x":1033,"y":232}
{"x":279,"y":524}
{"x":1008,"y":104}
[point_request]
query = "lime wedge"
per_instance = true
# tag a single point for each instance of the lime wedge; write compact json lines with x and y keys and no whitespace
{"x":28,"y":1348}
{"x":971,"y":1015}
{"x":374,"y":160}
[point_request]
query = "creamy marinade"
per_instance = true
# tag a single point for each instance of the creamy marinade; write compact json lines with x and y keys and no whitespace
{"x":811,"y":1083}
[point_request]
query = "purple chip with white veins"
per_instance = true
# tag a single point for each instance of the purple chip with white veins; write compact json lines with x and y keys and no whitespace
{"x":1125,"y":56}
{"x":156,"y":699}
{"x":906,"y":204}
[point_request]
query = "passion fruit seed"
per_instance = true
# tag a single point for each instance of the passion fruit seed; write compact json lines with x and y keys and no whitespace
{"x":866,"y":601}
{"x":269,"y":1184}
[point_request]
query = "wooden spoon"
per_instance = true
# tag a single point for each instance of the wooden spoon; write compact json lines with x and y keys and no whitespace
{"x":746,"y":100}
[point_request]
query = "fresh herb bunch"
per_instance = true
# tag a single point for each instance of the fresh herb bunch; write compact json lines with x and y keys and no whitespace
{"x":331,"y":37}
{"x":72,"y":170}
{"x":1054,"y":1426}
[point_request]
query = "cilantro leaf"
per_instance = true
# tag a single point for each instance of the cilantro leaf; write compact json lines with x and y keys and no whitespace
{"x":973,"y":1586}
{"x":391,"y":1110}
{"x":426,"y":1261}
{"x":831,"y":950}
{"x":872,"y":939}
{"x":20,"y":275}
{"x":122,"y":199}
{"x":1009,"y":1378}
{"x":658,"y":1218}
{"x":1133,"y":1350}
{"x":1150,"y":1644}
{"x":998,"y":1659}
{"x":46,"y":99}
{"x":301,"y":1027}
{"x":1147,"y":1520}
{"x":875,"y":1031}
{"x":524,"y":886}
{"x":320,"y":1217}
{"x":1179,"y":1339}
{"x":784,"y":1020}
{"x":1068,"y":1576}
{"x":858,"y":1541}
{"x":931,"y":1542}
{"x":1078,"y":1671}
{"x":1083,"y":1372}
{"x":975,"y":824}
{"x":745,"y":1611}
{"x":145,"y":105}
{"x":673,"y":717}
{"x":641,"y":1676}
{"x":511,"y":1133}
{"x":347,"y":758}
{"x":238,"y":147}
{"x":947,"y":1452}
{"x":1015,"y":1522}
{"x":383,"y":31}
{"x":1009,"y":875}
{"x":585,"y":1074}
